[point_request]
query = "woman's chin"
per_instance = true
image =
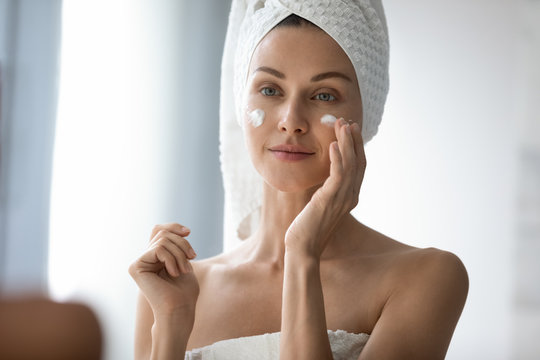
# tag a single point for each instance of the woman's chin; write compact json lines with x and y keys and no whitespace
{"x":293,"y":185}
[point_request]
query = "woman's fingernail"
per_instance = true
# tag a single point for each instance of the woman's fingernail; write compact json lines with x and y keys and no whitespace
{"x":348,"y":128}
{"x":192,"y":253}
{"x":185,"y":229}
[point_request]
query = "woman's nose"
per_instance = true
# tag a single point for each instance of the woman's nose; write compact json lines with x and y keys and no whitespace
{"x":293,"y":120}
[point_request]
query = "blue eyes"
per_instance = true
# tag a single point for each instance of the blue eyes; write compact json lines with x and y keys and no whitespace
{"x":325,"y":97}
{"x":268,"y":91}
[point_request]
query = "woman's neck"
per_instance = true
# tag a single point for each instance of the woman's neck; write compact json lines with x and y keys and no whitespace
{"x":278,"y":210}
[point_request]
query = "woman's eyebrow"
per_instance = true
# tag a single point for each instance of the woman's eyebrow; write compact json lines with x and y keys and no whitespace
{"x":330,"y":74}
{"x":319,"y":77}
{"x":271,"y":71}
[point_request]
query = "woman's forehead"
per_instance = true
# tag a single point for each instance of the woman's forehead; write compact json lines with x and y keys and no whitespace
{"x":301,"y":49}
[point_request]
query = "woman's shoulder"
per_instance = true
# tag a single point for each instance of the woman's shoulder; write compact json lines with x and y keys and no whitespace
{"x":376,"y":244}
{"x":407,"y":267}
{"x":217,"y":267}
{"x":205,"y":266}
{"x":411,"y":287}
{"x":431,"y":266}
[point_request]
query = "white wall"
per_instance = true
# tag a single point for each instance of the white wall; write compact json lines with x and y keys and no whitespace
{"x":526,"y":279}
{"x":443,"y":170}
{"x":138,"y":116}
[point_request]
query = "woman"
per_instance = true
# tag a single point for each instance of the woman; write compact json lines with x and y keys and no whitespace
{"x":309,"y":281}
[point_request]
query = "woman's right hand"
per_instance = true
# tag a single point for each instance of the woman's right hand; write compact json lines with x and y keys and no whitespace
{"x":164,"y":274}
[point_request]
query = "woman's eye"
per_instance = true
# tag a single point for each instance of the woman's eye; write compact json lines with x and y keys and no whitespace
{"x":268,"y":91}
{"x":325,"y":97}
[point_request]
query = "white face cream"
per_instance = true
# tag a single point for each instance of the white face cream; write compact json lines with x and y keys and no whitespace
{"x":328,"y":119}
{"x":256,"y":117}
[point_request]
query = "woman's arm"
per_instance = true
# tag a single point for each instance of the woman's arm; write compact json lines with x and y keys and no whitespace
{"x":169,"y":292}
{"x":144,"y":320}
{"x":170,"y":335}
{"x":163,"y":338}
{"x":303,"y":321}
{"x":421,"y":313}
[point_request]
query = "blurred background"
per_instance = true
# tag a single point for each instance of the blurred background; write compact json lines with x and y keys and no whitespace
{"x":109,"y":125}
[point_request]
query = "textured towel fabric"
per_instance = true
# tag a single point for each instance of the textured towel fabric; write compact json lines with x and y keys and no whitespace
{"x":345,"y":346}
{"x":358,"y":26}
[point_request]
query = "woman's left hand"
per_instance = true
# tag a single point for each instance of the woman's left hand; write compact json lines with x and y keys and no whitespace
{"x":310,"y":230}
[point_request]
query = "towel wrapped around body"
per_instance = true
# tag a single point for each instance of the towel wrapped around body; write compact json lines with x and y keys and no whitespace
{"x":345,"y":346}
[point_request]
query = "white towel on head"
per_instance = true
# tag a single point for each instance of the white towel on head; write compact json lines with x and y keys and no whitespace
{"x":358,"y":26}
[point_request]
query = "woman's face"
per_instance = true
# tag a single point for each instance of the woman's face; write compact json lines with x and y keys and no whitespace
{"x":296,"y":76}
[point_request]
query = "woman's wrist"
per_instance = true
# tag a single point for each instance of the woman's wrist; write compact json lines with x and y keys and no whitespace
{"x":175,"y":320}
{"x":171,"y":310}
{"x":168,"y":343}
{"x":170,"y":335}
{"x":301,"y":254}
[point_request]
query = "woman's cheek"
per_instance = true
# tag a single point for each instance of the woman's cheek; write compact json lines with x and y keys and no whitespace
{"x":328,"y":120}
{"x":255,"y":117}
{"x":254,"y":113}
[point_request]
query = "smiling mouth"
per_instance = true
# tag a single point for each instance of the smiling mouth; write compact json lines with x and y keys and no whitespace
{"x":290,"y":155}
{"x":293,"y":152}
{"x":291,"y":148}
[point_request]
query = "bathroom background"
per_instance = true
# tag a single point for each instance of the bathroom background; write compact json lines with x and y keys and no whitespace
{"x":109,"y":125}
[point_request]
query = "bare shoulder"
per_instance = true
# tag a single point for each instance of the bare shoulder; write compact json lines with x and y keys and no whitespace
{"x":425,"y":292}
{"x":226,"y":261}
{"x":205,"y":267}
{"x":431,"y":270}
{"x":404,"y":264}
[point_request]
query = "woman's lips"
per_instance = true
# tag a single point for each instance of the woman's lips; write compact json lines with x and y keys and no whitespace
{"x":290,"y":156}
{"x":290,"y":152}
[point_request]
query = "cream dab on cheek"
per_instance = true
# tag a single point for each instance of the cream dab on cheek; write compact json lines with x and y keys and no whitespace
{"x":328,"y":119}
{"x":256,"y":117}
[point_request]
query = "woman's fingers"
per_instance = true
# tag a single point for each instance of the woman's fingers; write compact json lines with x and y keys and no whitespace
{"x":346,"y":143}
{"x":358,"y":144}
{"x":180,"y":257}
{"x":360,"y":158}
{"x":178,"y":240}
{"x":352,"y":164}
{"x":174,"y":228}
{"x":336,"y":163}
{"x":165,"y":257}
{"x":164,"y":253}
{"x":169,"y":248}
{"x":179,"y":247}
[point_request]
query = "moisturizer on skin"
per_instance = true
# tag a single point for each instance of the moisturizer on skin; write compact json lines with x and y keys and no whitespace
{"x":328,"y":119}
{"x":256,"y":117}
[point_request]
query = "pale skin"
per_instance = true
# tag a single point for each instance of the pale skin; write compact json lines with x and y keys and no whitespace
{"x":310,"y":266}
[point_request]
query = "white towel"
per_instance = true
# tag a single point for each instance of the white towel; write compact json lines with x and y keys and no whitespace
{"x":345,"y":346}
